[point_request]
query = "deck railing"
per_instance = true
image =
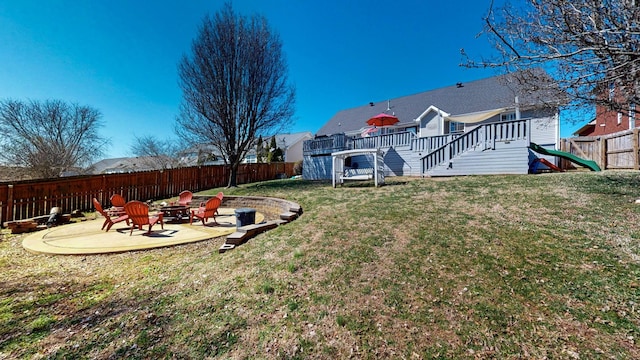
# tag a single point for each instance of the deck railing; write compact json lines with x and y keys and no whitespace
{"x":383,"y":141}
{"x":325,"y":144}
{"x":431,"y":143}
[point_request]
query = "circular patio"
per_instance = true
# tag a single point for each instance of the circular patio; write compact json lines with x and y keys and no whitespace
{"x":86,"y":237}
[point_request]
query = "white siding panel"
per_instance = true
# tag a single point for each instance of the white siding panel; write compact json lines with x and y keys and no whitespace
{"x":510,"y":160}
{"x":317,"y":167}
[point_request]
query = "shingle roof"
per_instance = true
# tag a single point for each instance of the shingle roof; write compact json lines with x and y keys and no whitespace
{"x":480,"y":95}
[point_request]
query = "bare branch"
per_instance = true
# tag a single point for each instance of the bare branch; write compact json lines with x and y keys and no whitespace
{"x":49,"y":137}
{"x":585,"y":44}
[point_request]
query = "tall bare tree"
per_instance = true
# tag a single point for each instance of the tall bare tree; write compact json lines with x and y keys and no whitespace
{"x":49,"y":137}
{"x":235,"y":86}
{"x":588,"y":46}
{"x":157,"y":153}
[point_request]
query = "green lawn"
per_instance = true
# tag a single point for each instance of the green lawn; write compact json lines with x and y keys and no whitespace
{"x":535,"y":266}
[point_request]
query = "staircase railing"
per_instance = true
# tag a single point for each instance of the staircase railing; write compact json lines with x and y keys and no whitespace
{"x":483,"y":136}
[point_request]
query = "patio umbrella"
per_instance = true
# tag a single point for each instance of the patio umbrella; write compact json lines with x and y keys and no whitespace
{"x":382,"y":119}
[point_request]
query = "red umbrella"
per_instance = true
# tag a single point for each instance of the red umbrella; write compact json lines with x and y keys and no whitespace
{"x":382,"y":120}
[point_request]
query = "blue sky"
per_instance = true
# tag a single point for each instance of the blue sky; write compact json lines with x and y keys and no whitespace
{"x":121,"y":56}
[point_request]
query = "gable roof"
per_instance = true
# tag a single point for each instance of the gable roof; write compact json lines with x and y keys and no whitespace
{"x":286,"y":140}
{"x":463,"y":98}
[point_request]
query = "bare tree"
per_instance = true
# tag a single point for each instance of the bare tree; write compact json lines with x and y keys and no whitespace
{"x":49,"y":137}
{"x":588,"y":46}
{"x":235,"y":86}
{"x":157,"y":153}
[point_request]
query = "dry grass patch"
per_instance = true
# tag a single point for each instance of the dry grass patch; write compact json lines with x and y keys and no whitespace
{"x":474,"y":267}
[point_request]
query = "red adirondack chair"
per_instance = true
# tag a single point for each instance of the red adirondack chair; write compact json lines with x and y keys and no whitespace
{"x":220,"y":196}
{"x":109,"y":220}
{"x":185,"y":198}
{"x":139,"y":215}
{"x":206,"y":211}
{"x":117,"y":205}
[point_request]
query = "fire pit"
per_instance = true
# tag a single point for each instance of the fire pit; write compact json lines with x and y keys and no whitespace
{"x":175,"y":213}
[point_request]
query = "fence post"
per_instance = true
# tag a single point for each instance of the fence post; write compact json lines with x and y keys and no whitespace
{"x":636,"y":161}
{"x":603,"y":152}
{"x":563,"y":147}
{"x":9,"y":202}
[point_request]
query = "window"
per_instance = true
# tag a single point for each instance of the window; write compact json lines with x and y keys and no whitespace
{"x":619,"y":118}
{"x":508,"y":117}
{"x":250,"y":159}
{"x":456,"y":127}
{"x":632,"y":115}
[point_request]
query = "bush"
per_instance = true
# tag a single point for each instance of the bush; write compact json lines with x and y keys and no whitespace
{"x":297,"y":168}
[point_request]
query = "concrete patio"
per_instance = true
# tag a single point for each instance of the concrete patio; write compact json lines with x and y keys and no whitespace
{"x":85,"y":237}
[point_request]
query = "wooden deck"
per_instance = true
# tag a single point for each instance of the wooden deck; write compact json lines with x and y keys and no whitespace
{"x":496,"y":148}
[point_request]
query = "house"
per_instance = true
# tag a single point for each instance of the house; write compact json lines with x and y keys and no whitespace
{"x":122,"y":165}
{"x":480,"y":127}
{"x":201,"y":155}
{"x":290,"y":144}
{"x":608,"y":120}
{"x":587,"y":130}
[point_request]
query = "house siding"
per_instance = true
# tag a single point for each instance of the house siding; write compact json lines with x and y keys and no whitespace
{"x":317,"y":167}
{"x":294,"y":152}
{"x":431,"y":125}
{"x":502,"y":160}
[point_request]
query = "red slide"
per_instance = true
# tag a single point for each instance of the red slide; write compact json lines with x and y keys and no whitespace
{"x":549,"y":164}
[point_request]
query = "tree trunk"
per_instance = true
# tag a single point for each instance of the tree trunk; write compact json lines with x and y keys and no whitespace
{"x":233,"y":175}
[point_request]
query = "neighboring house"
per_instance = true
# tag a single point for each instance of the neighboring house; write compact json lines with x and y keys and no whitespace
{"x":123,"y":165}
{"x":480,"y":127}
{"x":609,"y":121}
{"x":587,"y":130}
{"x":201,"y":155}
{"x":291,"y":144}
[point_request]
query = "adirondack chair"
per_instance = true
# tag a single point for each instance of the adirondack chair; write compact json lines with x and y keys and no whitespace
{"x":220,"y":196}
{"x":185,"y":198}
{"x":109,"y":220}
{"x":117,"y":205}
{"x":206,"y":211}
{"x":139,"y":215}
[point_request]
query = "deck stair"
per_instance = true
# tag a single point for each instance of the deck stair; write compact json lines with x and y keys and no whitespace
{"x":488,"y":149}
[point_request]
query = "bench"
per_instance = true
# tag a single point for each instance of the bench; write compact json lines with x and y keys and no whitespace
{"x":357,"y":174}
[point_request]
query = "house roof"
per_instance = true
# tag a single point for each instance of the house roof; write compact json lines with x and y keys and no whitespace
{"x":287,"y":140}
{"x":462,"y":98}
{"x":587,"y":129}
{"x":120,"y":165}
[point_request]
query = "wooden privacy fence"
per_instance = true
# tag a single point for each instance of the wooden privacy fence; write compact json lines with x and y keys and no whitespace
{"x":613,"y":151}
{"x":26,"y":199}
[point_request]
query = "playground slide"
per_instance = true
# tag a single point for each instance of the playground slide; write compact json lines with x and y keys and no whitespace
{"x":592,"y":165}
